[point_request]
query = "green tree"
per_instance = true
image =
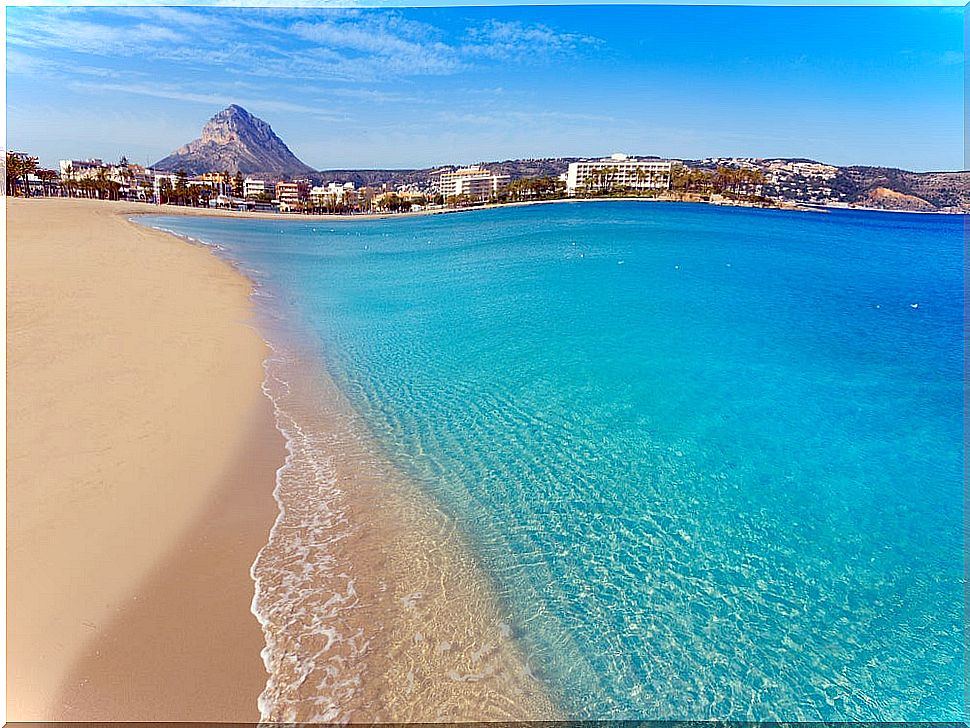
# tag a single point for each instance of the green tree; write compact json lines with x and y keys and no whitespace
{"x":165,"y":191}
{"x":47,"y":177}
{"x":19,"y":169}
{"x":181,"y":189}
{"x":14,"y":170}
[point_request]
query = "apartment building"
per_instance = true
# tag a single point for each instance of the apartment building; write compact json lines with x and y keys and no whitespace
{"x":476,"y":182}
{"x":253,"y":187}
{"x":618,"y":170}
{"x":334,"y":193}
{"x":291,"y":195}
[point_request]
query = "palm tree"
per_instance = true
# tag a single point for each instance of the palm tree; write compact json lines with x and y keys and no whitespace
{"x":101,"y":183}
{"x":164,"y":191}
{"x":181,"y":186}
{"x":14,"y":169}
{"x":47,"y":177}
{"x":147,"y":189}
{"x":20,"y":166}
{"x":28,"y":168}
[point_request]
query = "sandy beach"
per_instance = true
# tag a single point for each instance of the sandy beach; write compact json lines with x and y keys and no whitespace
{"x":142,"y":458}
{"x":140,"y":466}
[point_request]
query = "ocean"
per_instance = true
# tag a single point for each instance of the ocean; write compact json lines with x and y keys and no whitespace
{"x":708,"y":460}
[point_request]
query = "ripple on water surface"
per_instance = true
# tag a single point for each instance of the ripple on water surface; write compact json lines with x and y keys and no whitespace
{"x":722,"y":479}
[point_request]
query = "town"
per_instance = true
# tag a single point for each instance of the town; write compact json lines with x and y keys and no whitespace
{"x":447,"y":187}
{"x":746,"y":181}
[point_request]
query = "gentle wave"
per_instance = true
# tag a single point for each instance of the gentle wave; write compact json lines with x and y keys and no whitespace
{"x":308,"y":637}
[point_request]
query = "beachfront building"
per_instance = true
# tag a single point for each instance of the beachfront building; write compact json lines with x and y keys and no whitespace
{"x":78,"y":169}
{"x":253,"y":187}
{"x":334,"y":195}
{"x":618,"y":171}
{"x":93,"y":177}
{"x":162,"y":185}
{"x":475,"y":182}
{"x":221,"y":182}
{"x":291,"y":195}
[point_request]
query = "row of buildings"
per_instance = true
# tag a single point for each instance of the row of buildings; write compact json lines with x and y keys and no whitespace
{"x":618,"y":170}
{"x":444,"y":186}
{"x":219,"y":189}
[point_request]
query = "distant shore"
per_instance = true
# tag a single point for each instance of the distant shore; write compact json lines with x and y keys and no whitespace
{"x":145,"y":208}
{"x":141,"y":462}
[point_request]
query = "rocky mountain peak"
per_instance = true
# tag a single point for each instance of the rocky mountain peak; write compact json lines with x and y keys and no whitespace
{"x":236,"y":141}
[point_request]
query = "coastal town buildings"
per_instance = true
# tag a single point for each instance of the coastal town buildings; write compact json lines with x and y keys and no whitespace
{"x":253,"y":187}
{"x":291,"y":195}
{"x":618,"y":170}
{"x":476,"y":182}
{"x":334,"y":194}
{"x":80,"y":168}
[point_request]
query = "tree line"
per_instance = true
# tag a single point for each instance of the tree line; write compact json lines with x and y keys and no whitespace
{"x":19,"y":167}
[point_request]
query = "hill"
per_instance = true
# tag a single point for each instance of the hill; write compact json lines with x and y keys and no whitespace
{"x":236,"y":141}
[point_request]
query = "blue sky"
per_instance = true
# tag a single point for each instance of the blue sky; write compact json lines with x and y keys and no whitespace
{"x":416,"y":87}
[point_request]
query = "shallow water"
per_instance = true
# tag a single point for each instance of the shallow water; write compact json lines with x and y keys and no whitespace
{"x":709,"y":459}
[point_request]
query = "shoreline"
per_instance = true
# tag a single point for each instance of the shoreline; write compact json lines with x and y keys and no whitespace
{"x":147,"y":609}
{"x":144,"y":208}
{"x":141,"y":457}
{"x":365,"y":589}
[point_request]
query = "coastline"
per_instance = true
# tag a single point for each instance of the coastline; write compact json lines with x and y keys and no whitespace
{"x":141,"y":457}
{"x":142,"y":208}
{"x":145,"y":609}
{"x":373,"y":605}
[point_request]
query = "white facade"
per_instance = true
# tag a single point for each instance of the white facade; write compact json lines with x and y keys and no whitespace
{"x":618,"y":171}
{"x":255,"y":187}
{"x":80,"y":168}
{"x":334,"y":193}
{"x":473,"y":181}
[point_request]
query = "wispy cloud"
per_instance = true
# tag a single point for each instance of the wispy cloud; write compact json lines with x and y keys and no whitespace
{"x":342,"y":44}
{"x":213,"y":99}
{"x":515,"y":40}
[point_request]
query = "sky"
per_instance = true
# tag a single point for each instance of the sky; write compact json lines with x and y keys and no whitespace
{"x":419,"y":87}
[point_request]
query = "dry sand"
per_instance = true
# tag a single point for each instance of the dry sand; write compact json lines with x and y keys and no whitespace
{"x":140,"y":465}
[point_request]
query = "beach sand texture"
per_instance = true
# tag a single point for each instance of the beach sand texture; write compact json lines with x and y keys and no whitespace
{"x":141,"y":458}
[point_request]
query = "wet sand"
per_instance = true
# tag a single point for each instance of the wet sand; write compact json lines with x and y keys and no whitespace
{"x":375,"y":606}
{"x":140,"y":463}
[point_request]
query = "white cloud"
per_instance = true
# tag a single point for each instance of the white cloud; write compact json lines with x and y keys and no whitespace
{"x":257,"y":105}
{"x":514,"y":40}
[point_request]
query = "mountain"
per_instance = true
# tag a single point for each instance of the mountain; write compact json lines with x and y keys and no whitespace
{"x":898,"y":189}
{"x":812,"y":182}
{"x":236,"y":141}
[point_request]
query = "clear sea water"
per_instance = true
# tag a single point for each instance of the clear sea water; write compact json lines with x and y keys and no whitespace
{"x":711,"y":458}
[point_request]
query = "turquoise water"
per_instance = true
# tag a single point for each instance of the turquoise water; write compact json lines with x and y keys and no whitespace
{"x":710,"y":457}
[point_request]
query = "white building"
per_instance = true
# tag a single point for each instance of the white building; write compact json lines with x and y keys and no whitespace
{"x":158,"y":178}
{"x":80,"y":168}
{"x":255,"y":187}
{"x":476,"y":182}
{"x":334,"y":193}
{"x":618,"y":170}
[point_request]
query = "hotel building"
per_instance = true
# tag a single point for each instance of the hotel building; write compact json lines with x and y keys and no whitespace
{"x":254,"y":187}
{"x":291,"y":195}
{"x":334,"y":194}
{"x":618,"y":170}
{"x":475,"y":182}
